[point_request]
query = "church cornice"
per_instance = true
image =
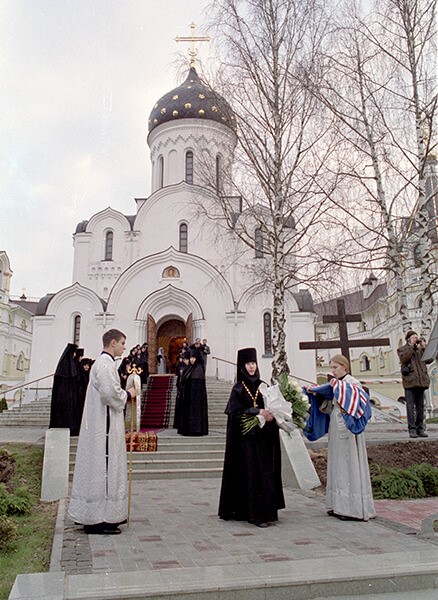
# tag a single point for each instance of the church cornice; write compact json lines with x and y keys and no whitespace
{"x":165,"y":258}
{"x":191,"y":126}
{"x":160,"y":300}
{"x":74,"y":291}
{"x":106,"y":214}
{"x":182,"y":187}
{"x":189,"y":138}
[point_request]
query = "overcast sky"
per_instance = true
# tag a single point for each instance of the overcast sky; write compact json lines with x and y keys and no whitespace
{"x":78,"y":81}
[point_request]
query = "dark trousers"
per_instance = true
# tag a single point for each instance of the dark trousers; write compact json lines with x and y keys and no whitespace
{"x":415,"y":409}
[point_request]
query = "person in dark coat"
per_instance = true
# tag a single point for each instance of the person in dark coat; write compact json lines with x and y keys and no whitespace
{"x":181,"y":366}
{"x":143,"y":363}
{"x":252,"y":489}
{"x":85,"y":365}
{"x":66,"y":407}
{"x":415,"y":379}
{"x":193,"y":419}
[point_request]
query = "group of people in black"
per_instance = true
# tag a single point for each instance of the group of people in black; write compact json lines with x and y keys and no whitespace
{"x":138,"y":357}
{"x":191,"y":409}
{"x":70,"y":384}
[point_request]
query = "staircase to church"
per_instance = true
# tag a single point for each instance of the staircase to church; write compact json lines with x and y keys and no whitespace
{"x":34,"y":414}
{"x":182,"y":456}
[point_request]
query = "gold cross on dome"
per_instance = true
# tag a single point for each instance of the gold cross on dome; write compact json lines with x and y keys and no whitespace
{"x":193,"y":51}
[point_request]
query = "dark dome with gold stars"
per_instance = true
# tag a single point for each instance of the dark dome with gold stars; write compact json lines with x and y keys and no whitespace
{"x":193,"y":99}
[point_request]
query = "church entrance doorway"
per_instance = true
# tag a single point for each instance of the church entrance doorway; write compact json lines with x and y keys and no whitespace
{"x":170,"y":336}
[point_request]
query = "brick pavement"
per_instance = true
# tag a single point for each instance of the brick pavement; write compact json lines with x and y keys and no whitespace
{"x":174,"y":524}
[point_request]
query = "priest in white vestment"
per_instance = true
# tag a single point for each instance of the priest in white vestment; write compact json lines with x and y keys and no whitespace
{"x":99,"y":498}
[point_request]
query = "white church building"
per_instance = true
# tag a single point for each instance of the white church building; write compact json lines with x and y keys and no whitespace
{"x":168,"y":273}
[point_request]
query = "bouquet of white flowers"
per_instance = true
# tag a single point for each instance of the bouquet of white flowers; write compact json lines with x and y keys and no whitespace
{"x":285,"y":401}
{"x":293,"y":393}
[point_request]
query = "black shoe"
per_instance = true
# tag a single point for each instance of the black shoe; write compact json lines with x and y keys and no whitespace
{"x":101,"y":529}
{"x":422,"y":434}
{"x":331,"y":513}
{"x":413,"y":434}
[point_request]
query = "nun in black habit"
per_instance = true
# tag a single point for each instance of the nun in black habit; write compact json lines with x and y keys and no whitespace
{"x":66,"y":407}
{"x":252,"y":489}
{"x":193,"y":409}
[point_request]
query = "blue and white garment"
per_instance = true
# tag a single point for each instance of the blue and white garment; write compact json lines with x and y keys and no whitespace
{"x":353,"y":400}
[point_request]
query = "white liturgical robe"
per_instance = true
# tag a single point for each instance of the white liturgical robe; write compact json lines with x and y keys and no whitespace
{"x":100,"y":488}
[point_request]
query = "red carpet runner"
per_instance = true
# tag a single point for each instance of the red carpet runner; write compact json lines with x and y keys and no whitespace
{"x":155,"y":406}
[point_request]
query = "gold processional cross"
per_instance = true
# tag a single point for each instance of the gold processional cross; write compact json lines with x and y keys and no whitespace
{"x":193,"y":51}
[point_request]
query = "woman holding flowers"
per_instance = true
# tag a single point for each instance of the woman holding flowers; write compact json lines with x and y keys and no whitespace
{"x":348,"y":493}
{"x":251,"y":489}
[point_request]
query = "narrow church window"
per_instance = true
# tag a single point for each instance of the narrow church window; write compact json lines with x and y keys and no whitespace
{"x":267,"y":333}
{"x":417,"y":256}
{"x":20,"y":362}
{"x":218,"y":173}
{"x":365,"y":363}
{"x":258,"y":242}
{"x":183,"y":237}
{"x":77,"y":330}
{"x":109,"y":239}
{"x":160,"y":172}
{"x":189,"y":167}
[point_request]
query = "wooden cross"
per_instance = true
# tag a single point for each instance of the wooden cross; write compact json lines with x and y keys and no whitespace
{"x":193,"y":51}
{"x":344,"y":343}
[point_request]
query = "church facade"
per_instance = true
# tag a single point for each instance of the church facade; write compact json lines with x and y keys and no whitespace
{"x":173,"y":270}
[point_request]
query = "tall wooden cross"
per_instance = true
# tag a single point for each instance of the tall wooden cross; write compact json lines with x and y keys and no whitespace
{"x":344,"y":343}
{"x":193,"y":51}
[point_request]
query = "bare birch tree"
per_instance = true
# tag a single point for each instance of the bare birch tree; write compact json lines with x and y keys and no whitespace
{"x":380,"y":83}
{"x":284,"y":140}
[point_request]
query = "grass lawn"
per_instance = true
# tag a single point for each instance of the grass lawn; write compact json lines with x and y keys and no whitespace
{"x":30,"y":551}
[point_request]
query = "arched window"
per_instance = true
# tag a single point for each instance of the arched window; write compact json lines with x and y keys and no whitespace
{"x":77,"y":329}
{"x":218,"y":173}
{"x":189,"y":167}
{"x":109,"y":240}
{"x":267,"y":333}
{"x":183,"y":237}
{"x":258,"y":242}
{"x":160,"y":172}
{"x":365,"y":363}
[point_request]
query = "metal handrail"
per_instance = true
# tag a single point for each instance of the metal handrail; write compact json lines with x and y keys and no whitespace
{"x":27,"y":384}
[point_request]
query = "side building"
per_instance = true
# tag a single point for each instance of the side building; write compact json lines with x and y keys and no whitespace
{"x":15,"y":331}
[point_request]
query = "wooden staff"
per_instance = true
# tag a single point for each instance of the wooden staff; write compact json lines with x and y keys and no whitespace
{"x":135,"y":372}
{"x":131,"y":442}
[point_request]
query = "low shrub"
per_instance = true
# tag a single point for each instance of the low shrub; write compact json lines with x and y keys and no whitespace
{"x":18,"y":503}
{"x":396,"y":484}
{"x":429,"y":477}
{"x":7,"y":533}
{"x":418,"y":481}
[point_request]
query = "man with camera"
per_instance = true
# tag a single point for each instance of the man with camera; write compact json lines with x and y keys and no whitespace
{"x":415,"y":381}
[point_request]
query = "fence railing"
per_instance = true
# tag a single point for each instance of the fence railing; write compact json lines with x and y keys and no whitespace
{"x":27,"y":389}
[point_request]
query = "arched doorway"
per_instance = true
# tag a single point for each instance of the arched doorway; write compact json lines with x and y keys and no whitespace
{"x":170,"y":335}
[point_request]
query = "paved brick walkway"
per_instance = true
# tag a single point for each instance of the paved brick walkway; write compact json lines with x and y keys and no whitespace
{"x":415,"y":514}
{"x":174,"y":523}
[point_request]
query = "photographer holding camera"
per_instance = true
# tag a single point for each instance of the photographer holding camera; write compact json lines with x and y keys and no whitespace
{"x":415,"y":381}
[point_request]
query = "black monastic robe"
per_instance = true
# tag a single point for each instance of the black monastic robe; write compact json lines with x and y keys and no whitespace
{"x":252,"y":489}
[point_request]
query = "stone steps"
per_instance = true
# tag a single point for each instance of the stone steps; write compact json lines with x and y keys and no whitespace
{"x":37,"y":413}
{"x":177,"y":457}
